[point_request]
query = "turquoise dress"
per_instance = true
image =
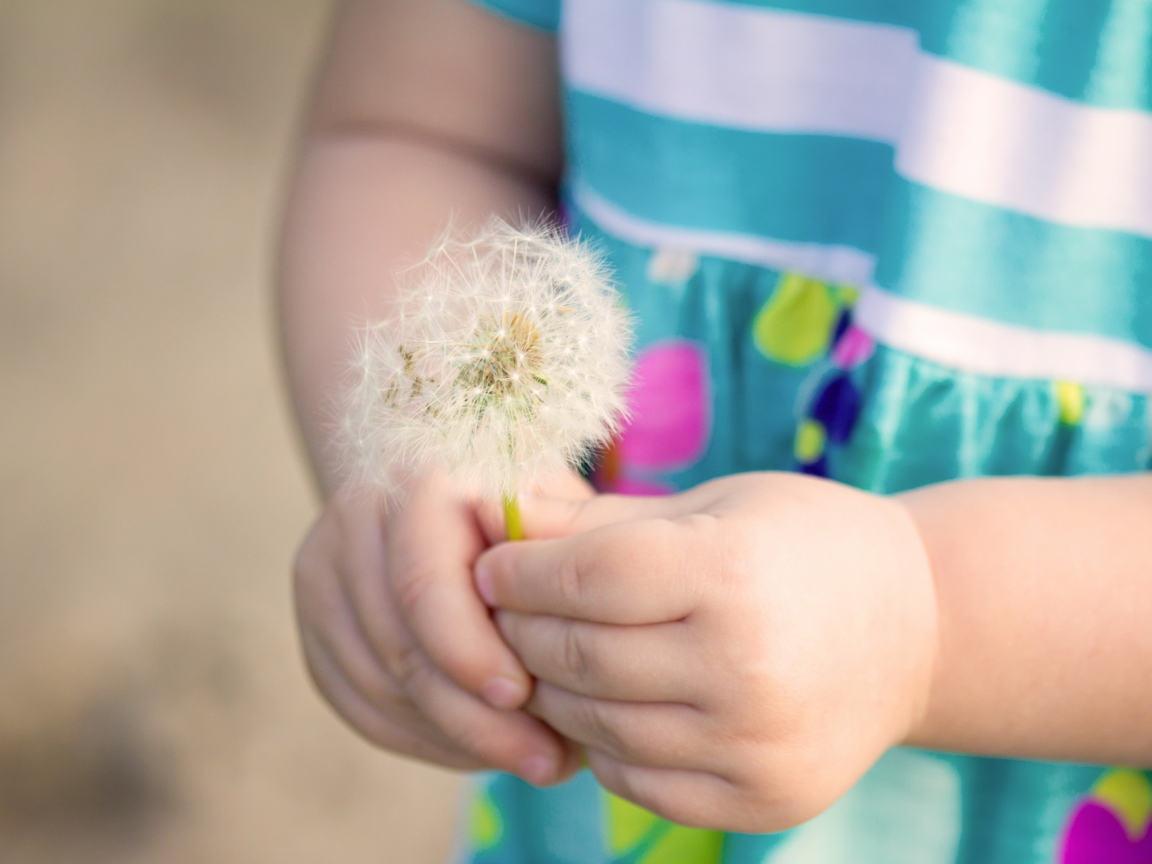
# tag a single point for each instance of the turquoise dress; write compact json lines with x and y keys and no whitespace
{"x":891,"y":242}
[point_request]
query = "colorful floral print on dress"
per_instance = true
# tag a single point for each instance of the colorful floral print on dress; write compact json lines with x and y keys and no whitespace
{"x":803,"y":322}
{"x":636,"y":836}
{"x":1111,"y":825}
{"x":669,"y":420}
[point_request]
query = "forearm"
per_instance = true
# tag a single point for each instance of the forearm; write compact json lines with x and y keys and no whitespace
{"x":364,"y":205}
{"x":426,"y":112}
{"x":1044,"y":590}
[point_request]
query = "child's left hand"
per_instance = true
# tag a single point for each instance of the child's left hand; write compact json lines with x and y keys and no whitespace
{"x":735,"y":656}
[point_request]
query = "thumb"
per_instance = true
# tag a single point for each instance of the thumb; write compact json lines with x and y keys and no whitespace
{"x":549,"y":518}
{"x":567,"y":485}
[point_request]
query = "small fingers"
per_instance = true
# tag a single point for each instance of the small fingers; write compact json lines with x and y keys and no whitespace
{"x":331,"y":635}
{"x":642,"y":572}
{"x":413,"y":694}
{"x":510,"y":741}
{"x":427,"y":579}
{"x":690,"y":798}
{"x":346,"y":609}
{"x":541,"y":508}
{"x":606,"y":661}
{"x":563,"y":510}
{"x":342,"y":643}
{"x":382,"y":727}
{"x":453,"y":627}
{"x":660,"y":735}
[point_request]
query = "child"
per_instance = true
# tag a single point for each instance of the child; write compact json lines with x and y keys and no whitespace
{"x":927,"y":224}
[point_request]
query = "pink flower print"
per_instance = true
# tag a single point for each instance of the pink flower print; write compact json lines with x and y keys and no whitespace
{"x":668,"y":403}
{"x":1097,"y":836}
{"x":669,"y":406}
{"x":1112,"y":825}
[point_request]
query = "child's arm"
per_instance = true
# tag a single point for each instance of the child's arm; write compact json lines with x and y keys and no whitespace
{"x":1044,"y":597}
{"x":425,"y":111}
{"x":738,"y":655}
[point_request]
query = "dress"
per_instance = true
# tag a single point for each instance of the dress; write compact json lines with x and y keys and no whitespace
{"x":893,"y":242}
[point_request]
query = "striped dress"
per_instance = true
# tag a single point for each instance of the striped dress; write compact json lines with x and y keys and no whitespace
{"x":892,"y":242}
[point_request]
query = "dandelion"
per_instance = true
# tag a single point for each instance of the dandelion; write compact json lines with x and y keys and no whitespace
{"x":505,"y":359}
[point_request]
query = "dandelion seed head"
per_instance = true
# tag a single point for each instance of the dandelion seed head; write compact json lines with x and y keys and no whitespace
{"x":505,"y":359}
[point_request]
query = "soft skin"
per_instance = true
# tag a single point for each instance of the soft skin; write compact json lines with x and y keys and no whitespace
{"x":810,"y":636}
{"x":400,"y":644}
{"x":736,"y":656}
{"x":425,"y":111}
{"x":724,"y":664}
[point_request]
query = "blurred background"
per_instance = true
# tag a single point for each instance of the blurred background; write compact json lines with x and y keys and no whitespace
{"x":153,"y":706}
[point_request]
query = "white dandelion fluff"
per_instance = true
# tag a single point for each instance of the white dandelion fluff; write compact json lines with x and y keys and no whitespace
{"x":505,"y":358}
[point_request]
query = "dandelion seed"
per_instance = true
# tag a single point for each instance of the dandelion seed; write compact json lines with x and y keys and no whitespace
{"x":504,"y":360}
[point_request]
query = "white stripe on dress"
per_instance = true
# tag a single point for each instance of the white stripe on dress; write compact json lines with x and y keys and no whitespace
{"x":954,"y":339}
{"x":954,"y":128}
{"x":988,"y":347}
{"x":830,"y":263}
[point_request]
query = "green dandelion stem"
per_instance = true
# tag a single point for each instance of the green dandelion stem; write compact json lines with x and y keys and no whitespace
{"x":513,"y":526}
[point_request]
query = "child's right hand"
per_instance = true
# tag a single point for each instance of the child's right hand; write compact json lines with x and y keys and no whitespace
{"x":400,"y":644}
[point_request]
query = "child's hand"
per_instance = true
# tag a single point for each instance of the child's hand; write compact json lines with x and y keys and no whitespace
{"x":734,"y":657}
{"x":398,"y":641}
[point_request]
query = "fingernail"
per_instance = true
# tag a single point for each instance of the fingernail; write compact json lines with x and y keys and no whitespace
{"x":537,"y":770}
{"x":502,"y":693}
{"x":484,"y":585}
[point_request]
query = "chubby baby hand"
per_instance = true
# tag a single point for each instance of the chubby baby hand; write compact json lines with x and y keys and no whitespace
{"x":733,"y":657}
{"x":400,"y":644}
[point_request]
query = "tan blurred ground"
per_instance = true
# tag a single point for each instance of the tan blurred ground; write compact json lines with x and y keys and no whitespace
{"x":152,"y":705}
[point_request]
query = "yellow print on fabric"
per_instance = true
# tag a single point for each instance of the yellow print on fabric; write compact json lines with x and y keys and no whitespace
{"x":636,"y":836}
{"x":795,"y":325}
{"x":485,"y":824}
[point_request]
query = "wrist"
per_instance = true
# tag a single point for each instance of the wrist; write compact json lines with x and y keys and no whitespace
{"x":925,"y":641}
